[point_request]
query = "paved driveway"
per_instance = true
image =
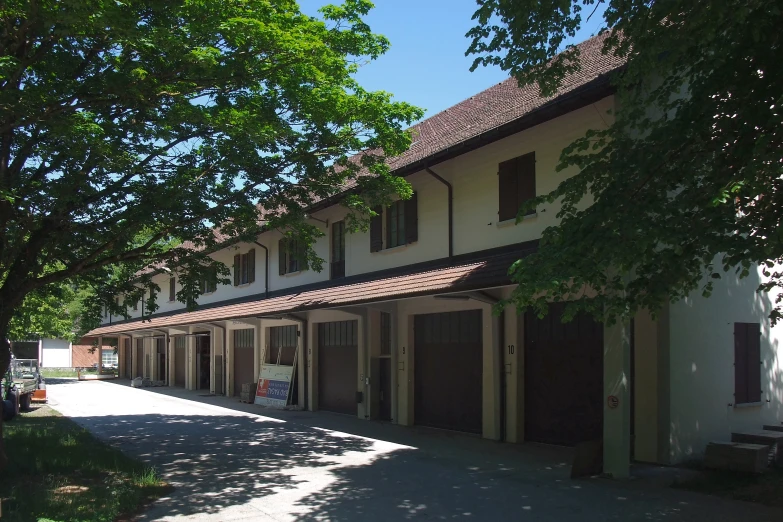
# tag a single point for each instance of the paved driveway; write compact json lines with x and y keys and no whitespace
{"x":242,"y":462}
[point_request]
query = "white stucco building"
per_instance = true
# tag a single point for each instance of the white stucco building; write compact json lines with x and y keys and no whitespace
{"x":399,"y":325}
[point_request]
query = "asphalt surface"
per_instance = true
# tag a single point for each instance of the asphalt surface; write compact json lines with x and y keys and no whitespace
{"x":232,"y":461}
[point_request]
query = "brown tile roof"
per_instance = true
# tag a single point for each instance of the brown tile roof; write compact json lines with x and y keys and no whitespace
{"x":499,"y":105}
{"x":490,"y":271}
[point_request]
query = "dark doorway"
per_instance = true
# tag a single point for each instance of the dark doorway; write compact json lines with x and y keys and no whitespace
{"x":563,"y":378}
{"x":160,"y":347}
{"x":203,"y":361}
{"x":338,"y":366}
{"x":448,"y":370}
{"x":385,"y":389}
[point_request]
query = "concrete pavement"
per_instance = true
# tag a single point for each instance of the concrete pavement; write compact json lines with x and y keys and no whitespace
{"x":231,"y":461}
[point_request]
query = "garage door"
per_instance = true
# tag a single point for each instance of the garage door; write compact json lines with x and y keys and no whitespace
{"x":448,"y":370}
{"x":139,"y":358}
{"x":338,"y":366}
{"x":243,"y":359}
{"x":563,"y":378}
{"x":180,"y":359}
{"x":282,"y":351}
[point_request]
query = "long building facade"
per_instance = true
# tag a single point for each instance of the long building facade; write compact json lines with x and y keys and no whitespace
{"x":399,"y":326}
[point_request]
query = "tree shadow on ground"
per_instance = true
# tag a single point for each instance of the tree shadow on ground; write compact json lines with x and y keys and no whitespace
{"x":240,"y":465}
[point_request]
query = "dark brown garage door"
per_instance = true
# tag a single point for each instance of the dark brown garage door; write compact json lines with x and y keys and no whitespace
{"x":563,"y":378}
{"x":338,"y":366}
{"x":180,"y":360}
{"x":139,"y":358}
{"x":448,"y":370}
{"x":243,"y":359}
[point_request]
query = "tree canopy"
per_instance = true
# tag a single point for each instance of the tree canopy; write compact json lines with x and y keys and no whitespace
{"x":126,"y":124}
{"x":685,"y":185}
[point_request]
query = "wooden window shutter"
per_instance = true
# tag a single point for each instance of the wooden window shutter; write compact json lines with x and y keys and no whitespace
{"x":237,"y":268}
{"x":753,"y":331}
{"x":282,"y":259}
{"x":376,"y":230}
{"x":172,"y":288}
{"x":412,"y":219}
{"x":747,"y":362}
{"x":507,"y":190}
{"x":526,"y":180}
{"x":251,"y":265}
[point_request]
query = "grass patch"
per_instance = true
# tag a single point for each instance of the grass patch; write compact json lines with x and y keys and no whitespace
{"x":765,"y":488}
{"x":57,"y":372}
{"x":59,"y":471}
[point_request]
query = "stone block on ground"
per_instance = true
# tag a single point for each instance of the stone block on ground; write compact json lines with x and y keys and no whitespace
{"x":737,"y":456}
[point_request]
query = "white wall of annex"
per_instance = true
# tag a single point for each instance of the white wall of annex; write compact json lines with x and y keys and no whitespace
{"x":55,"y":353}
{"x":702,"y":365}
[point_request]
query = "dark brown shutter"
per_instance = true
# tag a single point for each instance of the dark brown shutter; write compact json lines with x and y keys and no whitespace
{"x":526,"y":181}
{"x":281,"y":258}
{"x":740,"y":363}
{"x":412,"y":219}
{"x":251,"y":265}
{"x":376,"y":230}
{"x":237,"y":268}
{"x":753,"y":332}
{"x":507,"y":190}
{"x":747,"y":362}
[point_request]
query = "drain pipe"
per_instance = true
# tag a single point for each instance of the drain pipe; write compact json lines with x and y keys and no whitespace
{"x":451,"y":208}
{"x":266,"y":268}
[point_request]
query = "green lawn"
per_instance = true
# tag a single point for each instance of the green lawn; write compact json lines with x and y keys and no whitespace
{"x":766,"y":488}
{"x":57,"y":471}
{"x":57,"y":372}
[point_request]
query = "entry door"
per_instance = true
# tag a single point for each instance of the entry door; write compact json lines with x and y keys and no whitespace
{"x":338,"y":366}
{"x":385,"y":389}
{"x":563,"y":378}
{"x":202,"y":354}
{"x":448,"y":370}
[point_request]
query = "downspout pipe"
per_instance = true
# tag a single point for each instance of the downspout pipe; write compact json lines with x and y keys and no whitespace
{"x":266,"y":268}
{"x":451,"y":208}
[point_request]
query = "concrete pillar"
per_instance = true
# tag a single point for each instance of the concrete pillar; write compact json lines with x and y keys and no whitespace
{"x":229,"y":362}
{"x":405,"y":368}
{"x":645,"y":384}
{"x":617,"y":393}
{"x":363,"y":410}
{"x":171,"y":358}
{"x":190,"y":366}
{"x":513,"y":374}
{"x":134,"y":367}
{"x":301,"y":363}
{"x":491,"y":374}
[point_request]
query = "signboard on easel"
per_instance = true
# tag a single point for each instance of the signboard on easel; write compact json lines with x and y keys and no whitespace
{"x":274,"y":385}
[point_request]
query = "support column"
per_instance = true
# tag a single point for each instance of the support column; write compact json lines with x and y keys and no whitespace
{"x":491,"y":374}
{"x":617,"y":399}
{"x":190,"y":361}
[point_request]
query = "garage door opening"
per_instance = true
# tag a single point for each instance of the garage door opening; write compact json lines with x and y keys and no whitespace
{"x":563,"y":378}
{"x":203,"y":366}
{"x":180,"y":360}
{"x":244,"y":372}
{"x":448,"y":370}
{"x":338,"y":366}
{"x":282,"y":351}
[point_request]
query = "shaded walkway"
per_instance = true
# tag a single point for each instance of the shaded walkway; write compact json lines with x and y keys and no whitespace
{"x":229,"y":464}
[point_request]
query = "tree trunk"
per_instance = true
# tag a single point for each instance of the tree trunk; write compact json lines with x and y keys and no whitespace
{"x":5,"y":362}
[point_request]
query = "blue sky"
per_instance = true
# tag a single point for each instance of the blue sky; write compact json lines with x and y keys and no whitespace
{"x":426,"y":65}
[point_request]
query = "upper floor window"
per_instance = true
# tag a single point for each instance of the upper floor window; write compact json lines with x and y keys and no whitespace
{"x":337,"y":265}
{"x":135,"y":305}
{"x":209,"y":282}
{"x":291,"y":256}
{"x":517,"y":185}
{"x":401,"y":224}
{"x":172,"y":288}
{"x":245,"y":268}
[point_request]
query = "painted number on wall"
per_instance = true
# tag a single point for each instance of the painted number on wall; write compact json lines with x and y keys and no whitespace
{"x":511,"y":349}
